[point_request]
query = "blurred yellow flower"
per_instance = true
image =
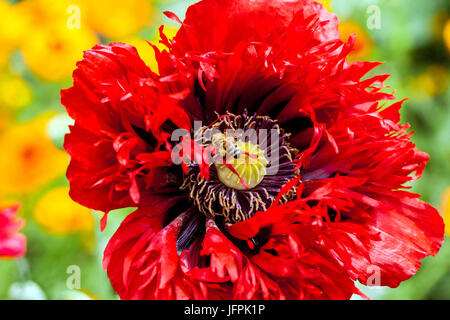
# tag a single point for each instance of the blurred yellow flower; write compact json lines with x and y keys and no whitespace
{"x":53,"y":45}
{"x":5,"y":118}
{"x":446,"y":34}
{"x":59,"y":31}
{"x":52,"y":55}
{"x":431,"y":82}
{"x":438,"y":21}
{"x":326,"y":4}
{"x":5,"y":53}
{"x":29,"y":160}
{"x":117,"y":19}
{"x":38,"y":13}
{"x":12,"y":26}
{"x":445,"y":209}
{"x":146,"y":52}
{"x":363,"y":43}
{"x":14,"y":92}
{"x":58,"y":214}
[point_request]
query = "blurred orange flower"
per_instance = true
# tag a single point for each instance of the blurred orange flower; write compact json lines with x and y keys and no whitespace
{"x":29,"y":160}
{"x":445,"y":209}
{"x":51,"y":48}
{"x":326,"y":4}
{"x":5,"y":118}
{"x":446,"y":34}
{"x":145,"y":51}
{"x":59,"y":215}
{"x":38,"y":13}
{"x":117,"y":19}
{"x":54,"y":44}
{"x":429,"y":83}
{"x":12,"y":26}
{"x":52,"y":55}
{"x":363,"y":43}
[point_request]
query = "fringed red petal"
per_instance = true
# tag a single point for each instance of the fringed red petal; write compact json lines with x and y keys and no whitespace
{"x":119,"y":111}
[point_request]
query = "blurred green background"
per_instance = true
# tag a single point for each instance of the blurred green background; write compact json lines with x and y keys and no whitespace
{"x":43,"y":39}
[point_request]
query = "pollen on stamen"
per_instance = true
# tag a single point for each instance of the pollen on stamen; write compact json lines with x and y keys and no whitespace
{"x":249,"y":170}
{"x":250,"y":167}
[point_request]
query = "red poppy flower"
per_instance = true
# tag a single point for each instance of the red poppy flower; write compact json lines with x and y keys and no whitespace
{"x":315,"y":207}
{"x":12,"y":244}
